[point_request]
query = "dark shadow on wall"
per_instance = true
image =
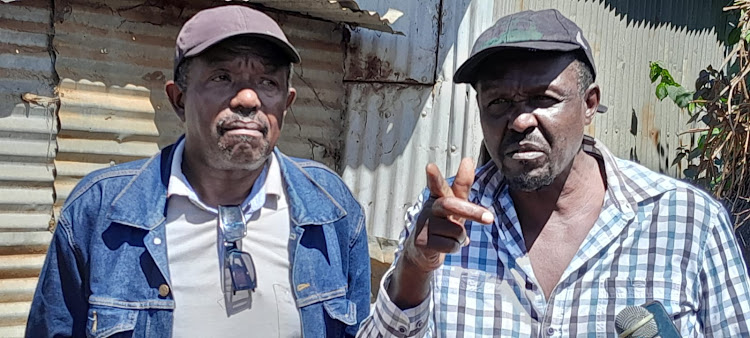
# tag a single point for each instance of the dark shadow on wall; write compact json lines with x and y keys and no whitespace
{"x":693,"y":15}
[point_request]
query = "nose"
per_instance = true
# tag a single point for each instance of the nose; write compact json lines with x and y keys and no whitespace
{"x":245,"y":102}
{"x":522,"y":120}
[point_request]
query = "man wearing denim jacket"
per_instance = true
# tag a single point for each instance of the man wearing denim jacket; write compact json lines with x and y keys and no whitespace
{"x":139,"y":249}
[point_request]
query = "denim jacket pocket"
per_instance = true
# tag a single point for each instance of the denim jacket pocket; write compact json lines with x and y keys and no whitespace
{"x":106,"y":321}
{"x":342,"y":310}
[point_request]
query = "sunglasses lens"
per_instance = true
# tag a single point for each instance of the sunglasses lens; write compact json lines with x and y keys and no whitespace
{"x":232,"y":222}
{"x":242,"y":270}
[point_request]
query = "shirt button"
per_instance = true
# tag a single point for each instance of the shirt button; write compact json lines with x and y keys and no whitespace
{"x":550,"y":331}
{"x":157,"y":240}
{"x":163,"y":290}
{"x":419,"y":324}
{"x":402,"y":329}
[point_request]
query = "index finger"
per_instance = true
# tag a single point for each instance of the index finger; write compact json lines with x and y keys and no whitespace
{"x":464,"y":179}
{"x":436,"y":182}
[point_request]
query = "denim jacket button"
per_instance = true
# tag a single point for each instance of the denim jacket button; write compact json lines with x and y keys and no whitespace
{"x":157,"y":240}
{"x":163,"y":290}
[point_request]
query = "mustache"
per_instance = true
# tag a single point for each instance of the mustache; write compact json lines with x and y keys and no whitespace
{"x":238,"y":121}
{"x":514,"y":140}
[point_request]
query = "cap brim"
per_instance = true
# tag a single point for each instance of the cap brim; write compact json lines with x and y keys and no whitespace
{"x":283,"y":45}
{"x":468,"y":70}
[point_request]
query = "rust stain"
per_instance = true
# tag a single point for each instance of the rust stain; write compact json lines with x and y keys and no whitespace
{"x":649,"y":129}
{"x":369,"y":68}
{"x":374,"y":68}
{"x":156,"y":76}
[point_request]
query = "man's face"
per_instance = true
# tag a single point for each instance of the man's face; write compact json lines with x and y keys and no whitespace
{"x":533,"y":115}
{"x":234,"y":107}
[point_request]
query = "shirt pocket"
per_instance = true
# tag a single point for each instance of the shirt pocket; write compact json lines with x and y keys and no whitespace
{"x":287,"y":314}
{"x":107,"y":321}
{"x":620,"y":293}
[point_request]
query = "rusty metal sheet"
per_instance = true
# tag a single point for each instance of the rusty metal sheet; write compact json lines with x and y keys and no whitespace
{"x":28,"y":128}
{"x":13,"y":318}
{"x":409,"y":58}
{"x":347,"y":11}
{"x":100,"y":126}
{"x":314,"y":126}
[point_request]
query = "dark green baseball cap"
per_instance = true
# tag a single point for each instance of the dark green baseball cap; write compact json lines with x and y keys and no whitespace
{"x":545,"y":30}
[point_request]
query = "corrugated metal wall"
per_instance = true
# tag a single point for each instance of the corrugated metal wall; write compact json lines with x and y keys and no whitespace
{"x":409,"y":58}
{"x":394,"y":128}
{"x":625,"y":35}
{"x":27,"y":148}
{"x":392,"y":131}
{"x":314,"y":126}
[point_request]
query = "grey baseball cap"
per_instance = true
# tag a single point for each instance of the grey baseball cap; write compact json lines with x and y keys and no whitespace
{"x":545,"y":30}
{"x":211,"y":26}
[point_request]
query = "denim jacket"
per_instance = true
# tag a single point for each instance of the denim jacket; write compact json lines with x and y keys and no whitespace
{"x":104,"y":271}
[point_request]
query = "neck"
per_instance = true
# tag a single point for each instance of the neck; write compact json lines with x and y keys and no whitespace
{"x":581,"y":186}
{"x":218,"y":187}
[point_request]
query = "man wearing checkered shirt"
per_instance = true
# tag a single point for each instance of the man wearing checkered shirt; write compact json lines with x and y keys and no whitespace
{"x":555,"y":235}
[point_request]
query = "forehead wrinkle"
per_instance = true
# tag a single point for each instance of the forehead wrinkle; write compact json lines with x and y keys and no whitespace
{"x":508,"y":79}
{"x":247,"y":61}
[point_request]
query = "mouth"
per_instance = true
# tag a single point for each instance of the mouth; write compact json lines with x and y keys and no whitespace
{"x":242,"y":128}
{"x":525,"y":152}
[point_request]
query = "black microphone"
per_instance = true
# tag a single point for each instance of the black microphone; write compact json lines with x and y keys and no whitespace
{"x":646,"y":321}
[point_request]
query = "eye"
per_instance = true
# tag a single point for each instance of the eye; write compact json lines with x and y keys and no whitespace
{"x":499,"y":102}
{"x":543,"y":101}
{"x":268,"y":83}
{"x":220,"y":78}
{"x":499,"y":105}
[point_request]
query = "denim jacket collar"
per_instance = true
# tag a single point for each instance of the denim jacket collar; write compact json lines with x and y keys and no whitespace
{"x":309,"y":203}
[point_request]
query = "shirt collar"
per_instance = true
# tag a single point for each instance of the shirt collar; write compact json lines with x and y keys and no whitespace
{"x":274,"y":183}
{"x":265,"y":183}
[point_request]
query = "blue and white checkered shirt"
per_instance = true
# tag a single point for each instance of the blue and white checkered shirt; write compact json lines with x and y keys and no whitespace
{"x":656,"y":238}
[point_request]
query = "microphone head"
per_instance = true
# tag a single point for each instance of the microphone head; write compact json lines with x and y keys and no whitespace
{"x":630,"y":316}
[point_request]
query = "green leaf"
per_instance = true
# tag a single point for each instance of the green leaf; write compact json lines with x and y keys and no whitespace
{"x":666,"y":77}
{"x":702,"y":140}
{"x":691,"y":108}
{"x":695,"y":153}
{"x":691,"y":172}
{"x":655,"y":71}
{"x":661,"y":91}
{"x":678,"y":158}
{"x":680,"y":95}
{"x":734,"y":36}
{"x":747,"y":37}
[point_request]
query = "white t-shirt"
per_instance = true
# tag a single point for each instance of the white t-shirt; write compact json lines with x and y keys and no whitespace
{"x":193,"y":247}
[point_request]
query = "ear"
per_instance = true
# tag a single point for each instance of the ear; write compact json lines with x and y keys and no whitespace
{"x":591,"y":99}
{"x":291,"y":96}
{"x":176,"y":98}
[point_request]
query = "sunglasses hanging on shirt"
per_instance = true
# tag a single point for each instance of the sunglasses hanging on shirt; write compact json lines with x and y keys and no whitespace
{"x":238,"y":263}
